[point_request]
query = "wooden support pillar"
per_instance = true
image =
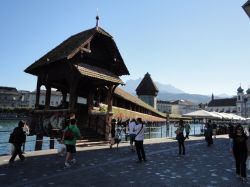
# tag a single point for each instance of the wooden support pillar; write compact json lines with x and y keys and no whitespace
{"x":52,"y":141}
{"x":73,"y":97}
{"x":39,"y":142}
{"x":90,"y":101}
{"x":48,"y":96}
{"x":38,"y":87}
{"x":98,"y":97}
{"x":109,"y":100}
{"x":64,"y":99}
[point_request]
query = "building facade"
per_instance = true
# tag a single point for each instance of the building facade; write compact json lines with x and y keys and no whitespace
{"x":183,"y":107}
{"x":12,"y":98}
{"x":164,"y":106}
{"x":9,"y":97}
{"x":227,"y":105}
{"x":243,"y":102}
{"x":239,"y":105}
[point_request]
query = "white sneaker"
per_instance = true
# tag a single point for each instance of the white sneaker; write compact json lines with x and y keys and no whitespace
{"x":67,"y":165}
{"x":73,"y":161}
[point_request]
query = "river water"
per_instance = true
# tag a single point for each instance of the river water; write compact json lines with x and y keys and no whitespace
{"x":6,"y":127}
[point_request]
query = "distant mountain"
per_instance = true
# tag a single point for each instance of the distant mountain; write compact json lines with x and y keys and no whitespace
{"x":131,"y":86}
{"x":195,"y":98}
{"x":167,"y":92}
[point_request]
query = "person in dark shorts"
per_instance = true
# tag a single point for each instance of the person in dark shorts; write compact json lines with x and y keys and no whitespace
{"x":70,"y":135}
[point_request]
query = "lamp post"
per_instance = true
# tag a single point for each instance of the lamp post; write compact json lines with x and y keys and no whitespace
{"x":246,"y":8}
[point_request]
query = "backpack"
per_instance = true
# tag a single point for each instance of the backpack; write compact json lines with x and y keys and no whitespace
{"x":69,"y":134}
{"x":11,"y":138}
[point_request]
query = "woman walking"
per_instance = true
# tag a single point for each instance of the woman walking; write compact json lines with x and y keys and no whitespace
{"x":240,"y":152}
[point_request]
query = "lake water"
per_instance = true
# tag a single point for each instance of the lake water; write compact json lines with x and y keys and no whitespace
{"x":6,"y":127}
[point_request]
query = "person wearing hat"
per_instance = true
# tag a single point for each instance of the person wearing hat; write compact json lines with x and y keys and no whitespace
{"x":19,"y":138}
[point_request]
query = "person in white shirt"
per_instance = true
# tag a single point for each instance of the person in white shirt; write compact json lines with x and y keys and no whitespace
{"x":132,"y":133}
{"x":139,"y":130}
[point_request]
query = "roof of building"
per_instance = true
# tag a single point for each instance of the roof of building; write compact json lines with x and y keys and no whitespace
{"x":137,"y":101}
{"x":240,"y":90}
{"x":97,"y":72}
{"x":248,"y":91}
{"x":8,"y":90}
{"x":147,"y":86}
{"x":75,"y":44}
{"x":222,"y":102}
{"x":182,"y":102}
{"x":163,"y":102}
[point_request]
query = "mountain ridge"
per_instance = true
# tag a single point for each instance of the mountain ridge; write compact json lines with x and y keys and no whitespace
{"x":168,"y":92}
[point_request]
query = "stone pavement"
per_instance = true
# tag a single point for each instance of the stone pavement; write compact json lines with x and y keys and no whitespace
{"x":100,"y":166}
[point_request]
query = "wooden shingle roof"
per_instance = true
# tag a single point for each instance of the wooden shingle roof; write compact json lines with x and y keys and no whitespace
{"x":222,"y":102}
{"x":147,"y":86}
{"x":121,"y":93}
{"x":74,"y":44}
{"x":98,"y":73}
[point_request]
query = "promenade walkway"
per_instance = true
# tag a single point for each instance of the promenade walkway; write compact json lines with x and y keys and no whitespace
{"x":100,"y":166}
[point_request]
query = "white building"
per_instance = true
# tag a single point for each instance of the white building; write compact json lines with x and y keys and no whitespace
{"x":243,"y":102}
{"x":164,"y":106}
{"x":55,"y":100}
{"x":183,"y":107}
{"x":239,"y":105}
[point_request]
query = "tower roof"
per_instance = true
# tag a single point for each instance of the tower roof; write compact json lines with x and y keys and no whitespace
{"x":147,"y":86}
{"x":240,"y":90}
{"x":248,"y":91}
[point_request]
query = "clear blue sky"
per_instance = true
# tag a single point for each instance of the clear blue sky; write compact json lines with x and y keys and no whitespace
{"x":198,"y":46}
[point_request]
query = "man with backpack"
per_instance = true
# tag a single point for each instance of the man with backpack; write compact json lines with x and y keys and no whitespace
{"x":18,"y":138}
{"x":70,"y":135}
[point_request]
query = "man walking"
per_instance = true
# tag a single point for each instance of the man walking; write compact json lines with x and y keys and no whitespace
{"x":70,"y":135}
{"x":139,"y":130}
{"x":18,"y":140}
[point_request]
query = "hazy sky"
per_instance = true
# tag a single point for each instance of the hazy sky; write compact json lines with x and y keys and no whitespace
{"x":198,"y":46}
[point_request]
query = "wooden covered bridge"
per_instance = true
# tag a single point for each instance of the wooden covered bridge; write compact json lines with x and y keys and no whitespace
{"x":86,"y":65}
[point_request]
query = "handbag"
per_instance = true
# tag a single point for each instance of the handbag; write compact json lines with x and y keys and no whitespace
{"x":61,"y":149}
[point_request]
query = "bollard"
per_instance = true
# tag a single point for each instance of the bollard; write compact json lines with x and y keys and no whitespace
{"x":161,"y":131}
{"x":39,"y":142}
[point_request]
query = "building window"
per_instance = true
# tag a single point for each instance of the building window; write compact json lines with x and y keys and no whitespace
{"x":239,"y":98}
{"x":238,"y":109}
